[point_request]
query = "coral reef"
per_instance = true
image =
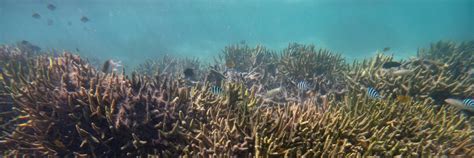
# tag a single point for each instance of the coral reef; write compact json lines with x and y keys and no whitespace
{"x":358,"y":127}
{"x":97,"y":114}
{"x":13,"y":61}
{"x":301,"y":62}
{"x":169,"y":65}
{"x":418,"y":83}
{"x":458,"y":56}
{"x":253,"y":102}
{"x":242,"y":58}
{"x":321,"y":68}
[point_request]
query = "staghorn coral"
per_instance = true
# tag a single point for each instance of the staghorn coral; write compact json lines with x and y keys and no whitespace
{"x":243,"y":58}
{"x":13,"y":61}
{"x":418,"y":84}
{"x":224,"y":129}
{"x":301,"y":62}
{"x":74,"y":110}
{"x":71,"y":109}
{"x":255,"y":67}
{"x":321,"y":68}
{"x":169,"y":65}
{"x":458,"y":56}
{"x":355,"y":127}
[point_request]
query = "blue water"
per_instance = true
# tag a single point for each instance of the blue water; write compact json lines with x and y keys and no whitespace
{"x":132,"y":31}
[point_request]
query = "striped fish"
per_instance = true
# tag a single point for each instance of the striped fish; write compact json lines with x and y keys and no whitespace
{"x":216,"y":90}
{"x":373,"y":93}
{"x":468,"y":102}
{"x":303,"y":85}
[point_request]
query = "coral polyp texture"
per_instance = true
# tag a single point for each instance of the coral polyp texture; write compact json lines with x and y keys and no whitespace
{"x":253,"y":102}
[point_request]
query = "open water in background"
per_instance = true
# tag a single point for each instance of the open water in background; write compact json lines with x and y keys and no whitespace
{"x":133,"y":30}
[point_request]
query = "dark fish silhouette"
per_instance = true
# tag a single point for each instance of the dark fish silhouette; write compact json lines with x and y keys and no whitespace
{"x":386,"y":49}
{"x":51,"y":7}
{"x":188,"y":73}
{"x":391,"y":64}
{"x":84,"y":19}
{"x":111,"y":66}
{"x":77,"y":50}
{"x":69,"y":23}
{"x":50,"y":22}
{"x":28,"y":47}
{"x":36,"y":16}
{"x":439,"y":96}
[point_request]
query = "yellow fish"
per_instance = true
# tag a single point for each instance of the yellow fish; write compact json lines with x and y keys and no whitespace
{"x":23,"y":117}
{"x":24,"y":125}
{"x":404,"y":99}
{"x":50,"y":63}
{"x":230,"y":64}
{"x":60,"y":61}
{"x":59,"y":143}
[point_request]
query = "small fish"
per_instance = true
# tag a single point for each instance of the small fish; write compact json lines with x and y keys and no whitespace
{"x":3,"y":75}
{"x":23,"y":117}
{"x":386,"y":49}
{"x":273,"y":92}
{"x":391,"y":64}
{"x":469,"y":102}
{"x":188,"y":73}
{"x":466,"y":104}
{"x":401,"y":72}
{"x":77,"y":50}
{"x":60,"y":61}
{"x":404,"y":99}
{"x":50,"y":22}
{"x":216,"y":90}
{"x":230,"y":64}
{"x":59,"y":143}
{"x":69,"y":23}
{"x":36,"y":16}
{"x":24,"y":125}
{"x":84,"y":19}
{"x":471,"y":72}
{"x":372,"y":93}
{"x":303,"y":85}
{"x":111,"y":66}
{"x":50,"y":63}
{"x":51,"y":7}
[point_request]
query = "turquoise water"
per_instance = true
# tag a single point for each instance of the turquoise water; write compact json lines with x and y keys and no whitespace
{"x":133,"y":31}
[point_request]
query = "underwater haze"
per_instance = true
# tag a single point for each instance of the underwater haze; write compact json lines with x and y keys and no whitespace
{"x":132,"y":31}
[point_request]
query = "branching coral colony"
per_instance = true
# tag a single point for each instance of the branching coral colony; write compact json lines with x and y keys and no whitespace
{"x":253,"y":102}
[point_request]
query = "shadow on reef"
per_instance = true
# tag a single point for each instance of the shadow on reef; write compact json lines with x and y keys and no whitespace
{"x":252,"y":102}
